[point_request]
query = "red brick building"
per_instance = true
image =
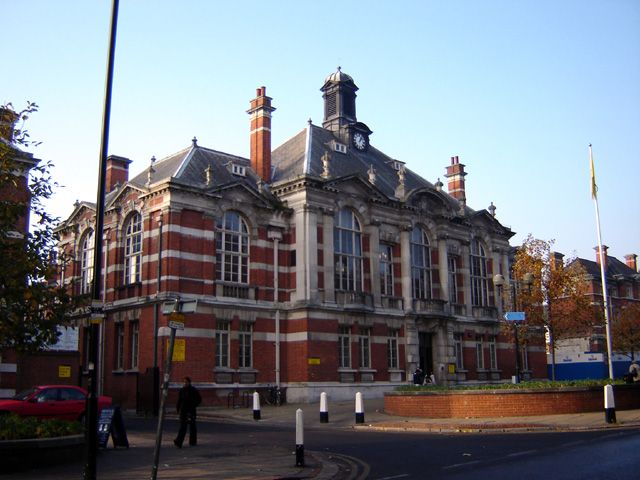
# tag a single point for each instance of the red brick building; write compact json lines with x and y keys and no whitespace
{"x":321,"y":265}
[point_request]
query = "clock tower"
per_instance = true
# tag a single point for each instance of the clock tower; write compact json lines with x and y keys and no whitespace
{"x":339,"y":94}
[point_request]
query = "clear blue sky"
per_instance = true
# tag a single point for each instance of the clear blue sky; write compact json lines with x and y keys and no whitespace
{"x":516,"y":89}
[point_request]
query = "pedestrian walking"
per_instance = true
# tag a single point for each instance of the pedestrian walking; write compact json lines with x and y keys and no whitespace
{"x":188,"y":400}
{"x":634,"y":371}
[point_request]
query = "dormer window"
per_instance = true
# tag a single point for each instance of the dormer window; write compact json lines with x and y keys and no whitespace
{"x":238,"y":170}
{"x":397,"y":165}
{"x":339,"y":147}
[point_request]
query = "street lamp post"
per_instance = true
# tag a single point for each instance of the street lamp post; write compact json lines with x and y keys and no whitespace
{"x":499,"y":282}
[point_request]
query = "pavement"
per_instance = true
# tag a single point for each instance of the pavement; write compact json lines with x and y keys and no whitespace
{"x":247,"y":457}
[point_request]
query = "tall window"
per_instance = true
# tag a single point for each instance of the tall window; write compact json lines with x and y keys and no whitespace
{"x":392,"y":349}
{"x":232,"y":249}
{"x":420,"y":264}
{"x":493,"y":359}
{"x":458,"y":342}
{"x":245,"y":342}
{"x":386,"y":270}
{"x":453,"y":279}
{"x":119,"y":346}
{"x":86,"y":264}
{"x":135,"y":349}
{"x":479,"y":352}
{"x":344,"y":347}
{"x":479,"y":283}
{"x":364,"y":347}
{"x":222,"y":344}
{"x":347,"y":243}
{"x":133,"y":249}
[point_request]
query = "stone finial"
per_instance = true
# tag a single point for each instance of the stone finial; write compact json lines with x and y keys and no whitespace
{"x":492,"y":210}
{"x":372,"y":174}
{"x":208,"y":174}
{"x":402,"y":174}
{"x":194,"y":141}
{"x":325,"y":164}
{"x":151,"y":170}
{"x":439,"y":185}
{"x":400,"y":192}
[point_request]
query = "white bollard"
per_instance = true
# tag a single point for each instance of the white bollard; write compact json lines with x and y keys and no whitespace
{"x":609,"y":404}
{"x":299,"y":438}
{"x":256,"y":406}
{"x":359,"y":408}
{"x":324,"y":412}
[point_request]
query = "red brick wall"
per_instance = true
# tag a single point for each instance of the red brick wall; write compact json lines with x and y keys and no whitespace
{"x":498,"y":403}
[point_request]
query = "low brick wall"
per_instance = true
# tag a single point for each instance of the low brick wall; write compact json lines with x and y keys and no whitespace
{"x":507,"y":403}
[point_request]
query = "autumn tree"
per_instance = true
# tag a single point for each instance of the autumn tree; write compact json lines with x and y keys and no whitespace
{"x":557,"y":298}
{"x":625,"y":330}
{"x":31,"y":306}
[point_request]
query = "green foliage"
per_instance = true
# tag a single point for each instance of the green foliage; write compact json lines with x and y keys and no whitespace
{"x":14,"y":427}
{"x":31,"y":306}
{"x":532,"y":385}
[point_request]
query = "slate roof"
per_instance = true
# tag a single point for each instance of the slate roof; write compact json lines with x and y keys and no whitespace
{"x":614,"y":267}
{"x":188,"y":167}
{"x":302,"y":155}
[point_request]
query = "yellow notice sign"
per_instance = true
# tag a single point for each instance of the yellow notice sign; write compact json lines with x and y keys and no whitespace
{"x":179,"y":349}
{"x":313,"y":361}
{"x":452,"y":368}
{"x":64,"y":371}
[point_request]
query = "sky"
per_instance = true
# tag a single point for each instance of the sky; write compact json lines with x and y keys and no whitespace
{"x":516,"y":89}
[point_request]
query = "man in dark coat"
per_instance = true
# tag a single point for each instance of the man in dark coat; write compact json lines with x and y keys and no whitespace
{"x":188,"y":399}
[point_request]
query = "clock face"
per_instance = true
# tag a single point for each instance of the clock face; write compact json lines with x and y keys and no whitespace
{"x":359,"y":141}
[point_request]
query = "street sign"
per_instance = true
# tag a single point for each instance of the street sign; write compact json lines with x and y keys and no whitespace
{"x":176,"y":325}
{"x":514,"y":316}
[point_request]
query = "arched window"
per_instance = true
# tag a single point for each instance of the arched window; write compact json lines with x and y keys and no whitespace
{"x":420,"y":264}
{"x":347,"y":245}
{"x":133,"y":249}
{"x":232,"y":249}
{"x":479,"y":283}
{"x":86,"y":262}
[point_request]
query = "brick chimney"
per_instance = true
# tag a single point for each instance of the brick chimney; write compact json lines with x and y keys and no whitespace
{"x":8,"y":120}
{"x":632,"y":261}
{"x":455,"y":174}
{"x":117,"y":171}
{"x":260,"y":136}
{"x":598,"y":254}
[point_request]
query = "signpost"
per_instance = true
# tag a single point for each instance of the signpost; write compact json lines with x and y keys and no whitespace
{"x":176,"y":322}
{"x":516,"y":317}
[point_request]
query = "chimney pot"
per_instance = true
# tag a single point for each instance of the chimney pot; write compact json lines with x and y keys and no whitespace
{"x":260,"y":136}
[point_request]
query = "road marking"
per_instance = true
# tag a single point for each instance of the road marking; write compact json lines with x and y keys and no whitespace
{"x":519,"y":454}
{"x":458,"y":465}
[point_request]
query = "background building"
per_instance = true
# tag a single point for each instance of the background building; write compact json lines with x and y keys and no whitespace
{"x":322,"y":265}
{"x":585,"y":357}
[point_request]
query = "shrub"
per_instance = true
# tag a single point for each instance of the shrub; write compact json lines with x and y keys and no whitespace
{"x":14,"y":427}
{"x":508,"y":386}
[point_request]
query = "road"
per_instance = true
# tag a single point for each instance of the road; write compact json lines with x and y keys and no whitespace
{"x":383,"y":455}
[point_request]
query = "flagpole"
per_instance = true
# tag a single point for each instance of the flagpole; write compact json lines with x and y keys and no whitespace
{"x":603,"y":260}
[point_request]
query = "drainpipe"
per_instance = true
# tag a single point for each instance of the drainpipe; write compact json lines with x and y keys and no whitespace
{"x":156,"y":312}
{"x":276,"y":236}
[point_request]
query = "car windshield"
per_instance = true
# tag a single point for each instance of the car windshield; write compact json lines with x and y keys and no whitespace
{"x":23,"y":395}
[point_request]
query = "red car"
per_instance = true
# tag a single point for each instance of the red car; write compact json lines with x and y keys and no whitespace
{"x":66,"y":402}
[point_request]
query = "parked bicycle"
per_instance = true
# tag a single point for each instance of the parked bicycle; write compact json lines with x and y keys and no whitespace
{"x":274,"y":395}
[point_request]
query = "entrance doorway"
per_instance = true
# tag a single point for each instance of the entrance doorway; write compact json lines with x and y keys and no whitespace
{"x":425,"y":352}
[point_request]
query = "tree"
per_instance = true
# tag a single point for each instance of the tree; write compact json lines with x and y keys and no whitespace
{"x":557,"y":299}
{"x":626,"y":330}
{"x":31,"y":305}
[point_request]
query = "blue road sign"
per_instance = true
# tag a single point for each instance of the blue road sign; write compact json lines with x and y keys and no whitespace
{"x":514,"y":316}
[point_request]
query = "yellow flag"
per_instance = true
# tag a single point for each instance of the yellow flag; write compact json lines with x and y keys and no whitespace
{"x":594,"y":187}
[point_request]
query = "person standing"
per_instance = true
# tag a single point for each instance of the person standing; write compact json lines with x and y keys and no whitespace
{"x":188,"y":400}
